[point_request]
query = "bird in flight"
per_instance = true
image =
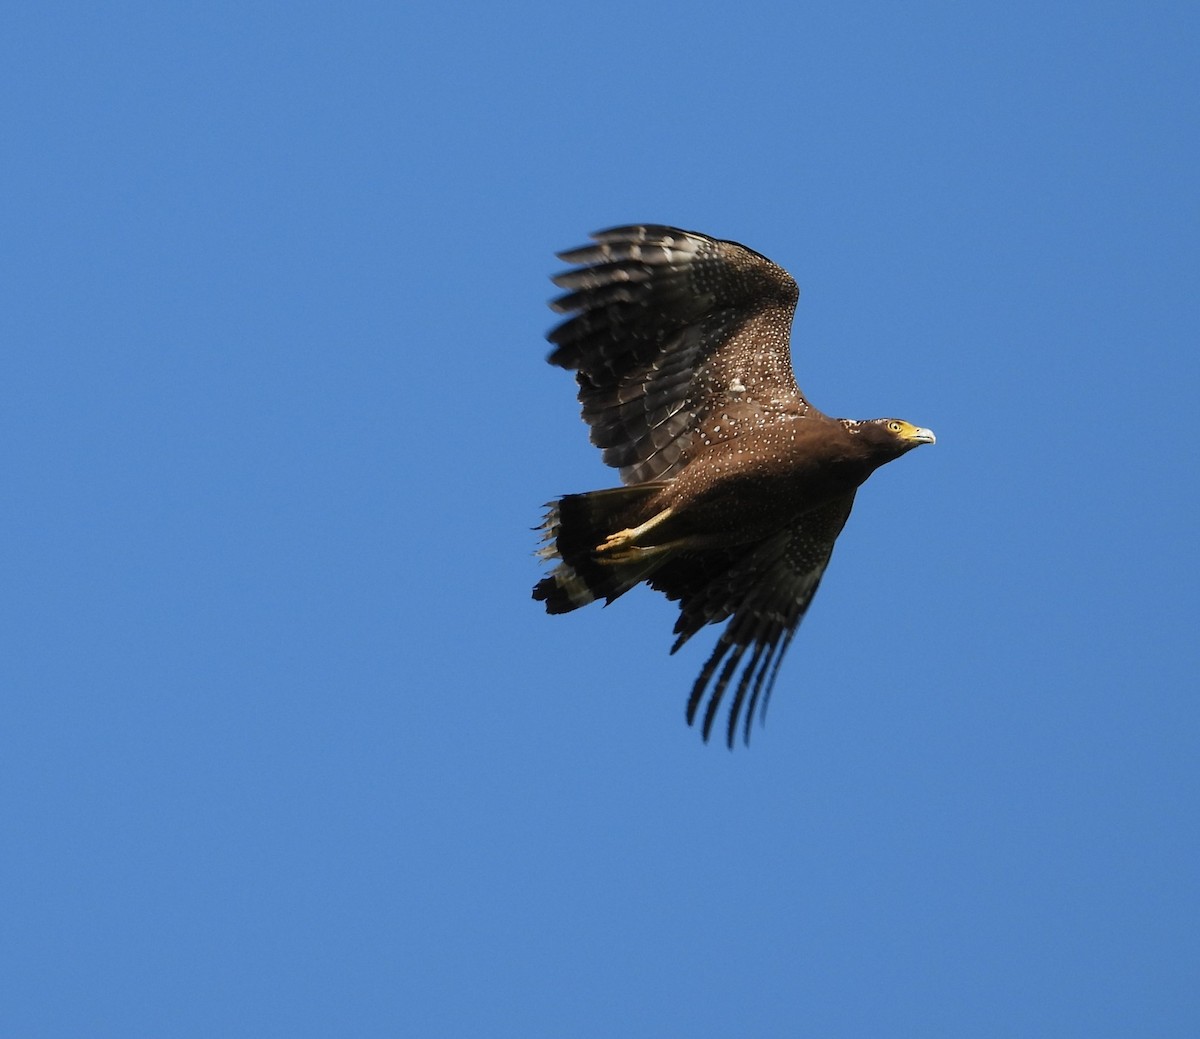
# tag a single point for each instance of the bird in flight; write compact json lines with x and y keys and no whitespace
{"x":735,"y":487}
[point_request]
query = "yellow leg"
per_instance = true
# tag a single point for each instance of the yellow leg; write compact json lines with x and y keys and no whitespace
{"x":629,"y":553}
{"x":624,"y":539}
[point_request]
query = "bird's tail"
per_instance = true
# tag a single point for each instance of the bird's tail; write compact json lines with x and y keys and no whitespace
{"x":574,"y":528}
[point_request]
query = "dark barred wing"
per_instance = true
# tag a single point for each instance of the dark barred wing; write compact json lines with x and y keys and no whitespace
{"x":764,"y":593}
{"x":667,"y":326}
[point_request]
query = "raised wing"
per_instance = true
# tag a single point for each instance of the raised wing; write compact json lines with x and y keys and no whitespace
{"x":764,"y":593}
{"x":669,"y":326}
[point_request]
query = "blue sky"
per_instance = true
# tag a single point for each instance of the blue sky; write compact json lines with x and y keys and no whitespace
{"x":287,"y":749}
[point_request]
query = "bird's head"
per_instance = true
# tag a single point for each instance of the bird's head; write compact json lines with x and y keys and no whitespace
{"x":891,"y":437}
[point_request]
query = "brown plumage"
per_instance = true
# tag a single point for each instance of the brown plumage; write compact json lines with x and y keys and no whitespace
{"x":736,"y":487}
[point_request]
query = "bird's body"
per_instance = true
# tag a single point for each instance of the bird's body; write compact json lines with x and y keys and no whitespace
{"x":736,"y":487}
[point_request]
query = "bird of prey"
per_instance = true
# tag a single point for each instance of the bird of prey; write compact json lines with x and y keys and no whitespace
{"x":735,"y":486}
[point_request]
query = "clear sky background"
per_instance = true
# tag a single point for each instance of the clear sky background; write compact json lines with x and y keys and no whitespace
{"x":286,"y":748}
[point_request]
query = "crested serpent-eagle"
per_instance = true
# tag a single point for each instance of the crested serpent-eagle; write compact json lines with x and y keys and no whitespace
{"x":735,"y":486}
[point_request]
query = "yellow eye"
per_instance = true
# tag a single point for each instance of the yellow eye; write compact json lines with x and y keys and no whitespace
{"x":894,"y":427}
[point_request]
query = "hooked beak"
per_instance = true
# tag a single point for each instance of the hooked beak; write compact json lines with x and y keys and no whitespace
{"x":922,"y":436}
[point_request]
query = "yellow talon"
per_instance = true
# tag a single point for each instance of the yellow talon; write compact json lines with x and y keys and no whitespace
{"x":616,"y":554}
{"x":624,"y":539}
{"x":615,"y":541}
